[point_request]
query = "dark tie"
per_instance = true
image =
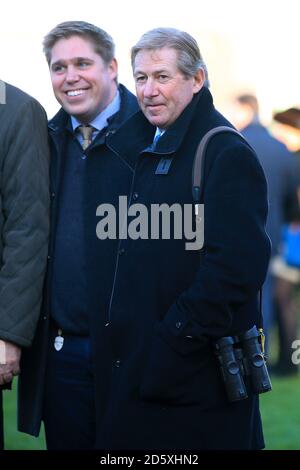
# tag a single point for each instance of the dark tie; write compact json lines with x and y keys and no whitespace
{"x":86,"y":132}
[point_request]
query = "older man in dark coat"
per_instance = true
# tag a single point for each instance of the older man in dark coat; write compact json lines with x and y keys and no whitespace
{"x":24,"y":198}
{"x":161,"y":384}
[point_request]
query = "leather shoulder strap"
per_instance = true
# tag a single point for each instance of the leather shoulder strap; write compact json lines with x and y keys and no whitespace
{"x":196,"y":186}
{"x":200,"y":156}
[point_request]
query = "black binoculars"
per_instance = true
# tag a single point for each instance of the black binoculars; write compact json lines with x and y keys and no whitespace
{"x":241,"y":356}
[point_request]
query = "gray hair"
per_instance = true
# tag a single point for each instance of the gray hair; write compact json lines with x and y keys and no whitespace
{"x":189,"y":56}
{"x":102,"y":41}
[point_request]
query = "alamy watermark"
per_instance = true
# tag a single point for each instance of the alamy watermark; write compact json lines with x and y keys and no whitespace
{"x":296,"y":353}
{"x":161,"y":221}
{"x":2,"y":92}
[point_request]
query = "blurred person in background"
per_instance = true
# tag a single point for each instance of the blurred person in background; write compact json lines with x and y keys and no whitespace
{"x":24,"y":200}
{"x":279,"y":166}
{"x":286,"y":267}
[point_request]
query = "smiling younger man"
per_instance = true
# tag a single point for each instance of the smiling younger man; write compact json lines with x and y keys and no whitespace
{"x":60,"y":373}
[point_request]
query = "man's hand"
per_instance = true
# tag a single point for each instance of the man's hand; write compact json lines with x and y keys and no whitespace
{"x":10,"y":355}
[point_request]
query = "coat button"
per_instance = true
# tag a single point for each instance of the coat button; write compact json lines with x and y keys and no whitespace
{"x":117,"y":363}
{"x":135,"y":196}
{"x":53,"y":195}
{"x":106,"y":324}
{"x":121,"y":251}
{"x":48,"y":257}
{"x":111,"y":132}
{"x":178,"y":324}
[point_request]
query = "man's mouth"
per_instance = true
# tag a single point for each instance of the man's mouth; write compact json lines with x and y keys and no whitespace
{"x":154,"y":105}
{"x":76,"y":92}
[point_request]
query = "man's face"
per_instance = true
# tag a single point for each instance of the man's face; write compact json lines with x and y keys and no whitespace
{"x":82,"y":83}
{"x":162,"y":90}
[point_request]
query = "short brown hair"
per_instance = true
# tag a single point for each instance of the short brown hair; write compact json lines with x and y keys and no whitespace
{"x":102,"y":41}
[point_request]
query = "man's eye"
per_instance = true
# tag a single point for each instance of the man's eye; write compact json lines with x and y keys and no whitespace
{"x":163,"y":78}
{"x":140,"y":79}
{"x":83,"y":65}
{"x":58,"y":68}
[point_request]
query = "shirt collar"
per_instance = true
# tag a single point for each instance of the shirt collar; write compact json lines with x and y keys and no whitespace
{"x":101,"y":120}
{"x":159,"y":132}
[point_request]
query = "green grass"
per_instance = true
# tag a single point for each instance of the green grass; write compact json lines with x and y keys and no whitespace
{"x":15,"y":440}
{"x":280,"y":412}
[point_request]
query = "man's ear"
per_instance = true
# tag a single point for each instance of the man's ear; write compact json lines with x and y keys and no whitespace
{"x":113,"y":68}
{"x":199,"y":80}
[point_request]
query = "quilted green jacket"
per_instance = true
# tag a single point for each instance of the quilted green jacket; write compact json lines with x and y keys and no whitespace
{"x":24,"y":200}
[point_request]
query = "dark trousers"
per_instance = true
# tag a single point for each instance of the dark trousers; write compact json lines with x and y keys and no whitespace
{"x":69,"y":406}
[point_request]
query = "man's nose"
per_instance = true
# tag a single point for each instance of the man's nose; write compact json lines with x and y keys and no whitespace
{"x":150,"y":88}
{"x":72,"y":74}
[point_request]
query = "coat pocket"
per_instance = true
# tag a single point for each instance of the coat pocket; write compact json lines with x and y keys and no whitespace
{"x":175,"y":378}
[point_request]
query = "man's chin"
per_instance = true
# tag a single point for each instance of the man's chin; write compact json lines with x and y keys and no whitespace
{"x":75,"y":111}
{"x":155,"y":121}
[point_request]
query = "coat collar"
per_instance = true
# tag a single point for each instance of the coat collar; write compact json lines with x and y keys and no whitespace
{"x":137,"y":133}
